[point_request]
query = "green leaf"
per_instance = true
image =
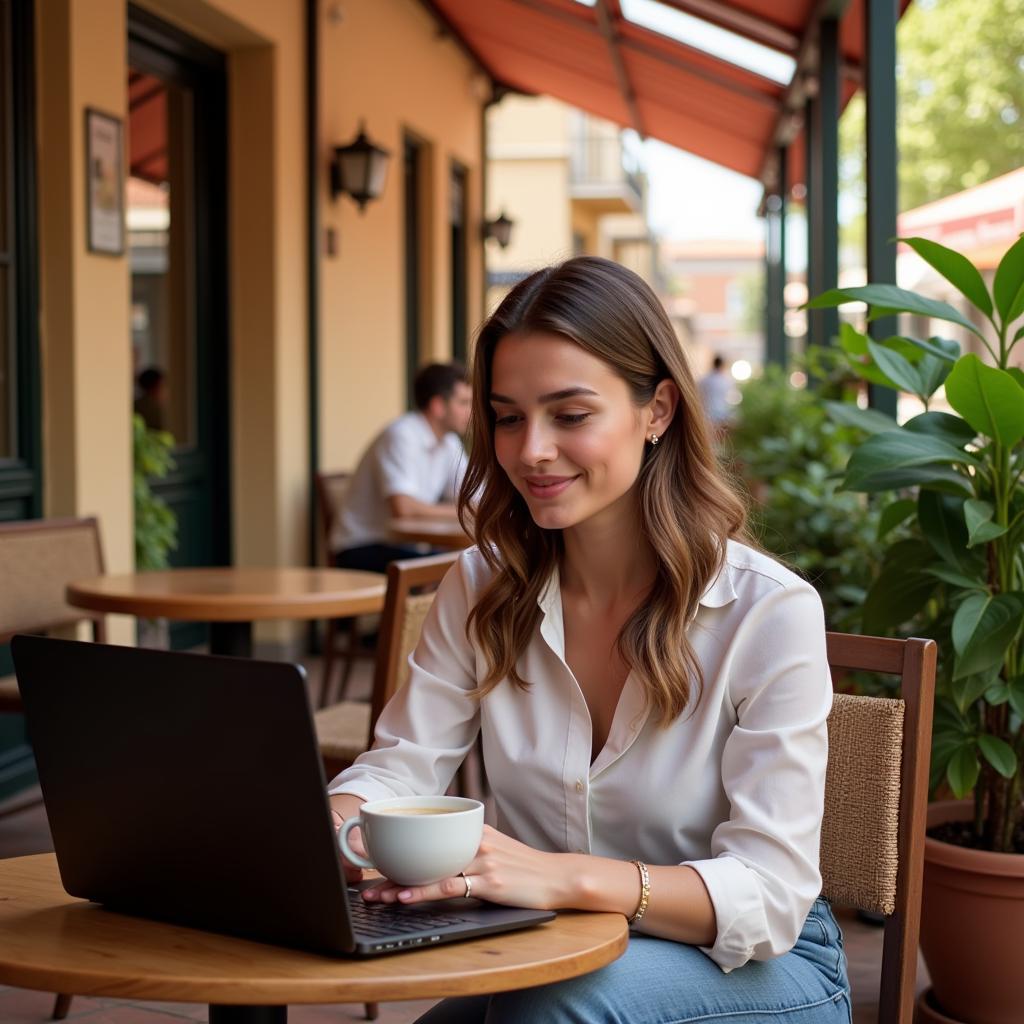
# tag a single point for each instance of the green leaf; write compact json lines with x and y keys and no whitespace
{"x":855,"y":345}
{"x":1009,"y":278}
{"x":933,"y":373}
{"x":956,"y":431}
{"x":1017,"y":306}
{"x":900,"y":590}
{"x":1016,"y":694}
{"x":999,"y":754}
{"x":942,"y":523}
{"x":897,"y":369}
{"x":1015,"y":371}
{"x":963,"y":771}
{"x":983,"y":628}
{"x":943,"y":348}
{"x":980,"y":528}
{"x":899,"y":450}
{"x":966,"y":620}
{"x":934,"y":477}
{"x":956,"y":269}
{"x":852,"y":341}
{"x":989,"y":399}
{"x":956,"y":579}
{"x":967,"y":690}
{"x":888,"y":298}
{"x":871,"y":421}
{"x":894,"y":514}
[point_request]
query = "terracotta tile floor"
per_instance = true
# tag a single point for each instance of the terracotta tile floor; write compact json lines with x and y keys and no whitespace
{"x":27,"y":832}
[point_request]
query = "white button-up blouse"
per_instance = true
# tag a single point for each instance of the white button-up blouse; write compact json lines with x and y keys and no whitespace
{"x":733,"y":787}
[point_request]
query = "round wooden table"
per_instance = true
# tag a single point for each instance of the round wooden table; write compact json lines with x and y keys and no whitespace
{"x":231,"y":598}
{"x":54,"y":942}
{"x":439,"y":533}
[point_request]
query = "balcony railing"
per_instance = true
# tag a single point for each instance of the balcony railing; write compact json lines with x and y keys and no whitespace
{"x":602,"y":162}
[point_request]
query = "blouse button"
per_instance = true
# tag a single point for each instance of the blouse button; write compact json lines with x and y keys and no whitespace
{"x":579,"y":786}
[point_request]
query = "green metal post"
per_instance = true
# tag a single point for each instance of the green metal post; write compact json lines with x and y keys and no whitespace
{"x":823,"y":185}
{"x":775,"y":268}
{"x":880,"y":18}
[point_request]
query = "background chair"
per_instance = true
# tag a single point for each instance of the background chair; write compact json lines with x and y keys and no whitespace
{"x":38,"y":558}
{"x":344,"y":730}
{"x":876,"y":793}
{"x":342,"y":638}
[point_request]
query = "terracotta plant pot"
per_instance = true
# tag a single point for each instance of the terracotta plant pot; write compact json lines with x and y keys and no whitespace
{"x":925,"y":1011}
{"x":972,"y":926}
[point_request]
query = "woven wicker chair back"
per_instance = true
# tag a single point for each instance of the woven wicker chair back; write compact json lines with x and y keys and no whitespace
{"x":37,"y":561}
{"x":331,"y":489}
{"x":414,"y":614}
{"x":860,"y":830}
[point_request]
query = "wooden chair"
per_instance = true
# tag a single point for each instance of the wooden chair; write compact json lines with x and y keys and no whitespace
{"x":876,"y":792}
{"x":38,"y":558}
{"x":345,"y":730}
{"x":330,"y":492}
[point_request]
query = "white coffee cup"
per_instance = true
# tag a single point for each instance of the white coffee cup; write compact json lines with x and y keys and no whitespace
{"x":416,"y":840}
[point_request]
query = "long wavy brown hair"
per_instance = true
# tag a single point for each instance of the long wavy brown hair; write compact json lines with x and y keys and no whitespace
{"x":687,"y":510}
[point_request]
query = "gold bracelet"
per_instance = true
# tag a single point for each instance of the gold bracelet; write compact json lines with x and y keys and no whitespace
{"x":645,"y":891}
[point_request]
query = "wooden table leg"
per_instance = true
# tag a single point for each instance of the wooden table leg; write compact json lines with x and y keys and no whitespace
{"x":248,"y":1014}
{"x":231,"y":638}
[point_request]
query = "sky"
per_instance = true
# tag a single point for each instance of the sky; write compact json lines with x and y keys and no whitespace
{"x":691,"y":198}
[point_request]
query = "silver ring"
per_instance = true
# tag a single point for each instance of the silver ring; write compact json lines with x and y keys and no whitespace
{"x":469,"y":886}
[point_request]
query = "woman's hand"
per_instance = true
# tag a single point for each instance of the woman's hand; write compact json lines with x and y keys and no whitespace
{"x":503,"y":871}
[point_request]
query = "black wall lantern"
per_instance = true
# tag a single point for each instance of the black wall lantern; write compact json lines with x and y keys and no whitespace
{"x":500,"y":229}
{"x":359,"y":169}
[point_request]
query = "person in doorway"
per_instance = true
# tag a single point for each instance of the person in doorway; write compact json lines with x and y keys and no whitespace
{"x":413,"y":467}
{"x":151,"y":402}
{"x":716,"y":389}
{"x":651,"y":689}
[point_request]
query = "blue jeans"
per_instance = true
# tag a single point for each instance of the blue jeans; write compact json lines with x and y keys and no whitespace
{"x":660,"y":982}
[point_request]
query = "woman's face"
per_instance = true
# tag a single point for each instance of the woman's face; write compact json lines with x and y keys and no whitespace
{"x":566,"y":430}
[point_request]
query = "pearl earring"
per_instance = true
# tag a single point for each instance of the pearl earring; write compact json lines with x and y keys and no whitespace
{"x":654,"y":440}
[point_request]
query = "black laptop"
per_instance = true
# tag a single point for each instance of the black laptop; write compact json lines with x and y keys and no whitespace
{"x":189,"y":788}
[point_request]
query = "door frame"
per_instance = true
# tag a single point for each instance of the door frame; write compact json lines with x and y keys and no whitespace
{"x":162,"y":48}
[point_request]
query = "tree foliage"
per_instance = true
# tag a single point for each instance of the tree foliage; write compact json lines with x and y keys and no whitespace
{"x":960,"y":86}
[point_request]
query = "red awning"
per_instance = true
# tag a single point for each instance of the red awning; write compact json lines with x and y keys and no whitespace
{"x":594,"y":58}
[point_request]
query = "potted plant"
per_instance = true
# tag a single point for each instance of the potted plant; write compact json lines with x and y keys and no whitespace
{"x":790,"y":455}
{"x":156,"y":529}
{"x":957,"y":575}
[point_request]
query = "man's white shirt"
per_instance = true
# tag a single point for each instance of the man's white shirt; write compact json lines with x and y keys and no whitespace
{"x":405,"y":458}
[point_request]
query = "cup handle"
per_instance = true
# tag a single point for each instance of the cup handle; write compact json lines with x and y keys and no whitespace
{"x":346,"y":826}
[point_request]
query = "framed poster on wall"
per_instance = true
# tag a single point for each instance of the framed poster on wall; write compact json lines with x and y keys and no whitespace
{"x":104,"y":162}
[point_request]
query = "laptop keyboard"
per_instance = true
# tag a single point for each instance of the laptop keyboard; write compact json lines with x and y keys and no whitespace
{"x":382,"y":919}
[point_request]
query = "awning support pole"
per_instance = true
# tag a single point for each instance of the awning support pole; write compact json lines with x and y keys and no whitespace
{"x":775,"y":267}
{"x":822,"y":130}
{"x":880,"y":18}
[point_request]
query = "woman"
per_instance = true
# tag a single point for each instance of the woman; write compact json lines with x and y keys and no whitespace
{"x":651,"y":692}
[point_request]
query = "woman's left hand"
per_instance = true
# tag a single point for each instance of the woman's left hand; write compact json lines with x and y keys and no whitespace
{"x":503,"y":871}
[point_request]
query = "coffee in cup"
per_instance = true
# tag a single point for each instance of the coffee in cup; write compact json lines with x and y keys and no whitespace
{"x":416,"y":840}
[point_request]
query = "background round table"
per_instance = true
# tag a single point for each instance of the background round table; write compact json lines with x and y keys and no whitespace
{"x":54,"y":942}
{"x":439,"y":533}
{"x":231,"y":598}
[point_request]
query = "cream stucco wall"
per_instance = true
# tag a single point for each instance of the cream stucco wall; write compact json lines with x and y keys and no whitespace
{"x":383,"y":63}
{"x":84,"y":298}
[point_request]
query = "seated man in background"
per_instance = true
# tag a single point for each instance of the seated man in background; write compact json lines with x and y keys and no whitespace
{"x":413,"y":467}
